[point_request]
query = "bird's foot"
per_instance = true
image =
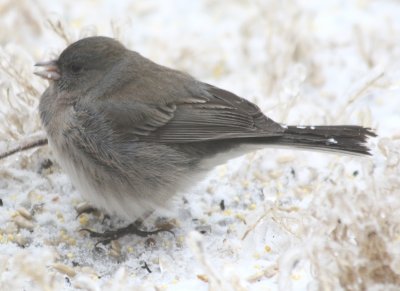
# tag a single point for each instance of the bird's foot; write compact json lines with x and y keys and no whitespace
{"x":133,"y":228}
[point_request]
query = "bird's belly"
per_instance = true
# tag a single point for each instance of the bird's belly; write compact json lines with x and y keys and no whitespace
{"x":143,"y":194}
{"x":100,"y":189}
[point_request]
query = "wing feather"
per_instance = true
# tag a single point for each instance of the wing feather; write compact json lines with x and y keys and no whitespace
{"x":223,"y":115}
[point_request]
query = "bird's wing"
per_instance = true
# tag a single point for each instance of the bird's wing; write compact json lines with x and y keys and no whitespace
{"x":222,"y":115}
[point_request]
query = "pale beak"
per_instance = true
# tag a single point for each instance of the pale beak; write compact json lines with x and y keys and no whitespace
{"x":50,"y":71}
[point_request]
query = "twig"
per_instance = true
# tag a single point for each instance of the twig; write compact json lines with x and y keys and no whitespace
{"x":253,"y":226}
{"x":59,"y":29}
{"x":24,"y":147}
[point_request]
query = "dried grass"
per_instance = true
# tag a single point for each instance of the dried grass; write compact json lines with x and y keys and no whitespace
{"x":349,"y":233}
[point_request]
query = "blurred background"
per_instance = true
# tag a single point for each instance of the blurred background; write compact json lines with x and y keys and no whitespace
{"x":303,"y":62}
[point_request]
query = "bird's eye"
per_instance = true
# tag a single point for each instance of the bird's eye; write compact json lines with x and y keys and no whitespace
{"x":76,"y":68}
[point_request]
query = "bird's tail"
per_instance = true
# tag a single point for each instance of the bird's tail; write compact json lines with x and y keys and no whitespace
{"x":340,"y":138}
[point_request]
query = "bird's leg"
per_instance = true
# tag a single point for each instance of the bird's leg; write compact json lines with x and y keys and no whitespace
{"x":133,"y":228}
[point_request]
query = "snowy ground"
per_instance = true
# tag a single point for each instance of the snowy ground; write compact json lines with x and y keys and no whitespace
{"x":289,"y":219}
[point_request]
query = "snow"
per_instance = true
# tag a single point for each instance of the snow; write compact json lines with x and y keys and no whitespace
{"x":289,"y":219}
{"x":332,"y":140}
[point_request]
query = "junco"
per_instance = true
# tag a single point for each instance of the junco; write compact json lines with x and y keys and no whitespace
{"x":131,"y":134}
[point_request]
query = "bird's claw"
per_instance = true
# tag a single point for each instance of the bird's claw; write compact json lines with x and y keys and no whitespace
{"x":110,"y":235}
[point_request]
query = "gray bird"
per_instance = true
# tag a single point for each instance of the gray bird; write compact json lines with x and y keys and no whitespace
{"x":131,"y":134}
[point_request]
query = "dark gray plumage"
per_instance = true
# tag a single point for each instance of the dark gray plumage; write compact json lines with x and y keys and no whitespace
{"x":131,"y":133}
